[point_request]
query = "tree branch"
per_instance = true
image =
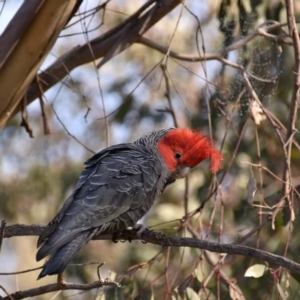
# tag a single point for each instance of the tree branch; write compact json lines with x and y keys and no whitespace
{"x":154,"y":238}
{"x":24,"y":47}
{"x":291,"y":128}
{"x":57,"y":287}
{"x":121,"y":38}
{"x":2,"y":227}
{"x":107,"y":46}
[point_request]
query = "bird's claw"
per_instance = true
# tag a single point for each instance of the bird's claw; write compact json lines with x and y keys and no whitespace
{"x":140,"y":231}
{"x":143,"y":229}
{"x":119,"y":237}
{"x":115,"y":237}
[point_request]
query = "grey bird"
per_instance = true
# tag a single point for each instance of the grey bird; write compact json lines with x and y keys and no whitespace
{"x":117,"y":188}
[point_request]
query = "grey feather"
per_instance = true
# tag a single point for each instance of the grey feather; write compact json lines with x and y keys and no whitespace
{"x":59,"y":261}
{"x":115,"y":190}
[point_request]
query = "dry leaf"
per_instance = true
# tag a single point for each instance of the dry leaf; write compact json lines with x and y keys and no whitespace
{"x":256,"y":112}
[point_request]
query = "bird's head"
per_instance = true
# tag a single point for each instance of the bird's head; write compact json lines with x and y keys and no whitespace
{"x":183,"y":149}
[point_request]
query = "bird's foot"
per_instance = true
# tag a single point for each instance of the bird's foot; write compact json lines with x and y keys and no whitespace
{"x":116,"y":236}
{"x":121,"y":236}
{"x":140,"y":229}
{"x":144,"y":229}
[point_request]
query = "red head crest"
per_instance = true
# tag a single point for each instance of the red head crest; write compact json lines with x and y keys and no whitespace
{"x":187,"y":147}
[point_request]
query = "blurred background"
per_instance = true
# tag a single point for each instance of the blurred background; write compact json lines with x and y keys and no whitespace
{"x":141,"y":90}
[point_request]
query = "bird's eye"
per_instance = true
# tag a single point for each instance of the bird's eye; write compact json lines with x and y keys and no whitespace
{"x":177,"y":155}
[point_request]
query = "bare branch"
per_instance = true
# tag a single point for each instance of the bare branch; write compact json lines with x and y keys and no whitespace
{"x":2,"y":228}
{"x":23,"y":230}
{"x":153,"y":238}
{"x":121,"y":38}
{"x":23,"y":48}
{"x":70,"y":134}
{"x":43,"y":112}
{"x":108,"y":45}
{"x":58,"y":287}
{"x":9,"y":297}
{"x":291,"y":129}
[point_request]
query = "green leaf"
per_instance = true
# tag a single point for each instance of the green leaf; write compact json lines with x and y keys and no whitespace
{"x":256,"y":271}
{"x":191,"y":294}
{"x":199,"y":274}
{"x":175,"y":295}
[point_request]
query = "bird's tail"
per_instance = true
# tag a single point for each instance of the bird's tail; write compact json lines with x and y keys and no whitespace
{"x":60,"y":259}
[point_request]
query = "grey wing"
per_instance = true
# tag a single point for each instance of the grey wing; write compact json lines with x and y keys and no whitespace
{"x":116,"y":185}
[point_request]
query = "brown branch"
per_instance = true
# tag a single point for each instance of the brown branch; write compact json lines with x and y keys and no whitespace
{"x":20,"y":272}
{"x":154,"y":238}
{"x":124,"y":35}
{"x":23,"y":230}
{"x":58,"y":287}
{"x":24,"y":122}
{"x":2,"y":228}
{"x":44,"y":116}
{"x":263,"y":28}
{"x":291,"y":129}
{"x":29,"y":44}
{"x":9,"y":297}
{"x":233,"y":156}
{"x":42,"y":105}
{"x":38,"y":268}
{"x":17,"y":29}
{"x":107,"y":46}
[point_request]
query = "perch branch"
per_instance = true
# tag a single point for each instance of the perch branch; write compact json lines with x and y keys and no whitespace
{"x":151,"y":237}
{"x":57,"y":287}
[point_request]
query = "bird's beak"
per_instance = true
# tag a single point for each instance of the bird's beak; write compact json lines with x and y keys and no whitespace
{"x":182,"y":171}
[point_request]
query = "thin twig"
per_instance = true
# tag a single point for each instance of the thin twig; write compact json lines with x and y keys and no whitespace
{"x":102,"y":45}
{"x":165,"y":60}
{"x":233,"y":156}
{"x":168,"y":96}
{"x":7,"y":293}
{"x":38,"y":268}
{"x":107,"y":134}
{"x":70,"y":134}
{"x":258,"y":152}
{"x":24,"y":122}
{"x":2,"y":228}
{"x":44,"y":115}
